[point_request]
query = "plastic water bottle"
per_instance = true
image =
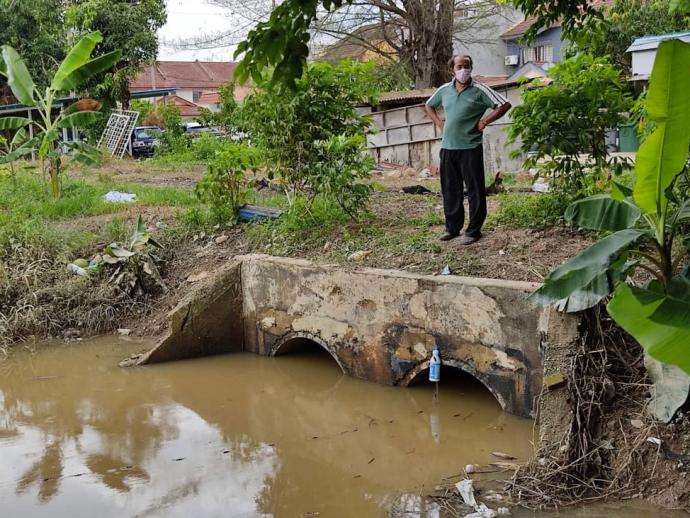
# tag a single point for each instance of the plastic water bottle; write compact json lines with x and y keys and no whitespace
{"x":77,"y":269}
{"x":435,"y":366}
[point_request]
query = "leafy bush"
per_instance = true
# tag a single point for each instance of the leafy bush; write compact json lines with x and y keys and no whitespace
{"x":290,"y":125}
{"x":205,"y":147}
{"x":146,"y":110}
{"x":224,"y":187}
{"x":173,"y":139}
{"x":558,"y":121}
{"x":341,"y":166}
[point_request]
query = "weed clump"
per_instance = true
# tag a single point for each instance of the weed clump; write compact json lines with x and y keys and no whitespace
{"x":537,"y":211}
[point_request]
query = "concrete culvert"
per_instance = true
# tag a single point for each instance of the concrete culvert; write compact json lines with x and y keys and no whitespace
{"x":305,"y":346}
{"x":453,"y":378}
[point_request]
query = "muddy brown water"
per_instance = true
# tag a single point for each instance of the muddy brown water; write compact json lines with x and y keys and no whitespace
{"x":237,"y":435}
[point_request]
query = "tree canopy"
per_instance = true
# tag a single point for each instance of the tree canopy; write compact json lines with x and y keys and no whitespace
{"x":625,"y":21}
{"x":129,"y":27}
{"x":282,"y":41}
{"x":35,"y":28}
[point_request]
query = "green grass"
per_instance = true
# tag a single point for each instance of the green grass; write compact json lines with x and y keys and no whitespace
{"x":31,"y":198}
{"x":525,"y":210}
{"x":31,"y":218}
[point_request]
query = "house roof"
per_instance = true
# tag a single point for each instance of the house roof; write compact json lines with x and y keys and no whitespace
{"x":424,"y":93}
{"x":359,"y":43}
{"x":652,"y":42}
{"x":209,"y":98}
{"x":214,"y":97}
{"x":523,"y":26}
{"x":207,"y":75}
{"x":187,"y":108}
{"x":528,"y":71}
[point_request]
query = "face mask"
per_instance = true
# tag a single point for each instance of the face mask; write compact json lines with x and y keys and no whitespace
{"x":463,"y":75}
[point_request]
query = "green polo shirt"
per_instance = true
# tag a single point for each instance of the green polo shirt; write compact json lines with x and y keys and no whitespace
{"x":463,"y":111}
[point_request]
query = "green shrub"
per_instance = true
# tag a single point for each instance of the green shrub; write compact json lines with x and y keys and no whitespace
{"x":558,"y":121}
{"x":224,"y":187}
{"x":341,"y":166}
{"x":291,"y":126}
{"x":206,"y":147}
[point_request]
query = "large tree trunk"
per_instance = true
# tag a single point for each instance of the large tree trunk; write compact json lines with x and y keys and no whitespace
{"x":430,"y":41}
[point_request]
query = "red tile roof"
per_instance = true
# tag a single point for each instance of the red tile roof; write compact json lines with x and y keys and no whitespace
{"x":187,"y":108}
{"x":214,"y":97}
{"x":523,"y":26}
{"x":209,"y":98}
{"x":204,"y":75}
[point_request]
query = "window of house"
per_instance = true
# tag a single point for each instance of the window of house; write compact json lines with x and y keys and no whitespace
{"x":529,"y":54}
{"x":196,"y":95}
{"x":540,"y":54}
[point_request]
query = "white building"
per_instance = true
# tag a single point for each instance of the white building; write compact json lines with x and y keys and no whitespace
{"x":643,"y":51}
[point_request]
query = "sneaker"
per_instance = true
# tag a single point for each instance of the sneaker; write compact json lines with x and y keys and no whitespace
{"x":448,"y":236}
{"x":468,"y":240}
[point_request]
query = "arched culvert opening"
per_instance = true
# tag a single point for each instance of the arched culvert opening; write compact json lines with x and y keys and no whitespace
{"x":456,"y":378}
{"x":308,"y":349}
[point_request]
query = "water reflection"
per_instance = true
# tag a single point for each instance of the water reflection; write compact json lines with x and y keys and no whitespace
{"x":229,"y":436}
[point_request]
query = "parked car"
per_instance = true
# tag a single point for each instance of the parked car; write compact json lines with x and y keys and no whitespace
{"x":195,"y":130}
{"x":145,"y":140}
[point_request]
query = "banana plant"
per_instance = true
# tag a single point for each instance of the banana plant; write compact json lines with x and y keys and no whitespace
{"x":135,"y":266}
{"x":76,"y":68}
{"x":15,"y":148}
{"x":648,"y":227}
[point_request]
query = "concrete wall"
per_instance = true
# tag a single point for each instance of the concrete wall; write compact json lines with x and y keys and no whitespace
{"x":379,"y":325}
{"x":207,"y":321}
{"x":407,"y":137}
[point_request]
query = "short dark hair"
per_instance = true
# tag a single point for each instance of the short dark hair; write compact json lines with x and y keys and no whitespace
{"x":451,"y":61}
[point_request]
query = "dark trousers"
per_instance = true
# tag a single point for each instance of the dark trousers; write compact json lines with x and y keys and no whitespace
{"x":458,"y":167}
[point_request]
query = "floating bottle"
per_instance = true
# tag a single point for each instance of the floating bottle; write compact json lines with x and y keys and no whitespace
{"x":435,"y":366}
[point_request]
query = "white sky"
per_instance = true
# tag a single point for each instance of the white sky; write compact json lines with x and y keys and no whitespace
{"x":193,"y":18}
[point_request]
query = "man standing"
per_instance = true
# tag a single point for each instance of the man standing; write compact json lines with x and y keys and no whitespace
{"x":464,"y":102}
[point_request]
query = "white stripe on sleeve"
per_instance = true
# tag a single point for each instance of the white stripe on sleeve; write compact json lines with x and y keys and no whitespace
{"x":491,"y":93}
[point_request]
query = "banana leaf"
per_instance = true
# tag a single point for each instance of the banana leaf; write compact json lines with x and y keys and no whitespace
{"x":18,"y":77}
{"x":13,"y":123}
{"x":632,"y":308}
{"x":89,"y":69}
{"x":79,"y":119}
{"x":584,"y":280}
{"x":602,"y":212}
{"x":14,"y":155}
{"x":663,"y":154}
{"x":77,"y":57}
